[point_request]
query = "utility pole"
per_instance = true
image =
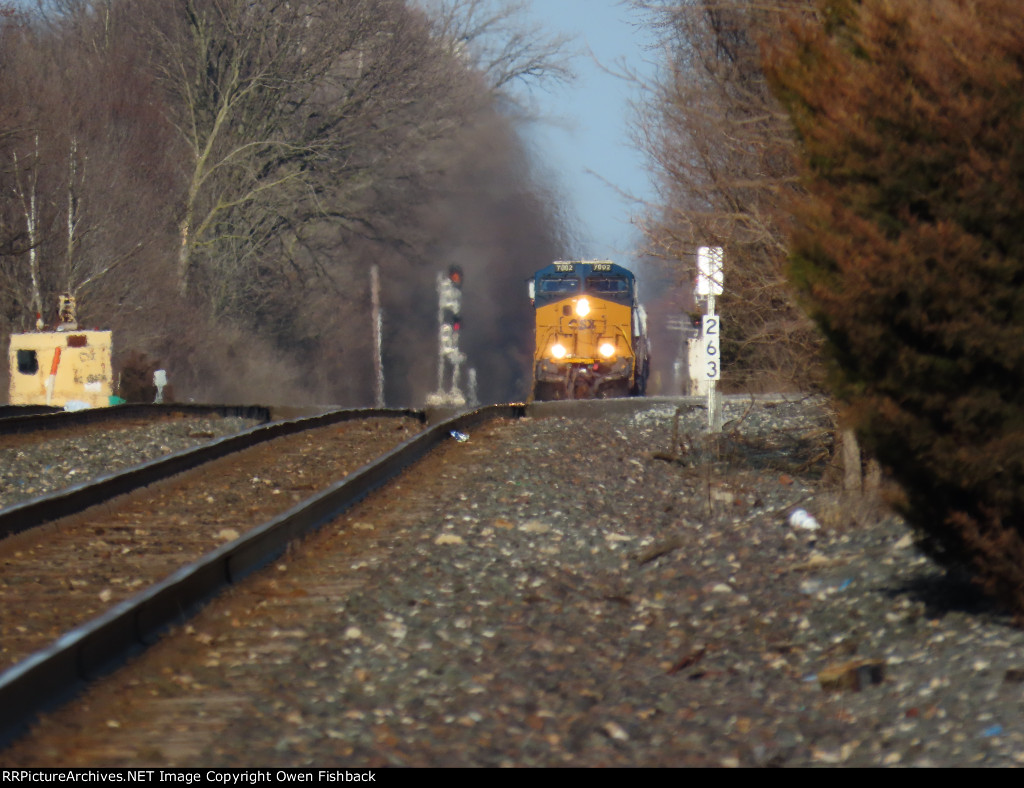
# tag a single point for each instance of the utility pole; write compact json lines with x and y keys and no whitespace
{"x":378,"y":339}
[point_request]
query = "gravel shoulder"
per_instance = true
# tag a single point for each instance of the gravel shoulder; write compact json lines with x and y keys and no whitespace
{"x":35,"y":464}
{"x":608,"y":592}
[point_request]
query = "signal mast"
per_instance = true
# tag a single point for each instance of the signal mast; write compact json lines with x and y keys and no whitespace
{"x":449,"y":358}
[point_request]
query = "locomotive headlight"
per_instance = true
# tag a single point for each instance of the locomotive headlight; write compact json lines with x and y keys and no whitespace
{"x":607,"y":349}
{"x":557,"y":350}
{"x":582,"y":308}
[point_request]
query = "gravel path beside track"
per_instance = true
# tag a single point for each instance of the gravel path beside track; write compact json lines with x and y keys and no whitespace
{"x":565,"y":592}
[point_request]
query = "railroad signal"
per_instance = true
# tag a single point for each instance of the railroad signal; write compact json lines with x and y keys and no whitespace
{"x":451,"y":299}
{"x":453,"y":319}
{"x":449,"y":293}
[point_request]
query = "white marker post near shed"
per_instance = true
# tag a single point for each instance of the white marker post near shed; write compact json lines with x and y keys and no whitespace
{"x":709,"y":285}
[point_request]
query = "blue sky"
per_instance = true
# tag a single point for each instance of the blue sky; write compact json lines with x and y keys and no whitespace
{"x":583,"y":140}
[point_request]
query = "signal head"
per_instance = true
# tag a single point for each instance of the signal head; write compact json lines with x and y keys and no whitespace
{"x":453,"y":319}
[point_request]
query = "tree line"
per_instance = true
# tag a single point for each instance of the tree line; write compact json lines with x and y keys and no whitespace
{"x":214,"y":179}
{"x":861,"y":163}
{"x":722,"y":159}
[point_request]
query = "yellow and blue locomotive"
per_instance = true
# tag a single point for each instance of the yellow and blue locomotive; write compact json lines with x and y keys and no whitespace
{"x":591,"y":332}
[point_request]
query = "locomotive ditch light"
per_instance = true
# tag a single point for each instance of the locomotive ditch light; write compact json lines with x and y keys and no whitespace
{"x":607,"y":349}
{"x":582,"y":307}
{"x":558,"y":350}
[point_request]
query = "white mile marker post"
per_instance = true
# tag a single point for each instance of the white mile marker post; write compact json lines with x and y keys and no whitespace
{"x":709,"y":284}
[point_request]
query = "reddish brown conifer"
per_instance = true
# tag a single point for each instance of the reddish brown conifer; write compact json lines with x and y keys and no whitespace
{"x":909,"y":252}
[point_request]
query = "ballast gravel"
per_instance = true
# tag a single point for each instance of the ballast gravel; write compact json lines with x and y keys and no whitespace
{"x":618,"y":591}
{"x":37,"y":464}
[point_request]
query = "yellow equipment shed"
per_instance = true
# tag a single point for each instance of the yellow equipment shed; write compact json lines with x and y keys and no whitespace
{"x":61,"y":368}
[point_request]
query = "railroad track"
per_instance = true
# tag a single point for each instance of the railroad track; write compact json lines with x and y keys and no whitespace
{"x":44,"y":678}
{"x":27,"y":419}
{"x":531,"y":596}
{"x":53,"y":673}
{"x":77,"y":498}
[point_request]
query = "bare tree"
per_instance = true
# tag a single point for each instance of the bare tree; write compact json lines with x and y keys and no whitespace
{"x":79,"y":156}
{"x":496,"y":38}
{"x":722,"y":152}
{"x":257,"y":156}
{"x":25,"y":176}
{"x":291,"y":115}
{"x":24,"y":200}
{"x":227,"y":67}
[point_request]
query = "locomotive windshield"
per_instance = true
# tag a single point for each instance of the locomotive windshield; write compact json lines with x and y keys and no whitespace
{"x":613,"y":288}
{"x":607,"y":284}
{"x":559,"y":285}
{"x":598,"y":278}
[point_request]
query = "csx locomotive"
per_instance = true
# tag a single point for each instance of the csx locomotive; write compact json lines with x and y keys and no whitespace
{"x":591,"y":332}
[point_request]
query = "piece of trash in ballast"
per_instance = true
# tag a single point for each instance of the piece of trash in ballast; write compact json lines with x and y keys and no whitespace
{"x":855,"y":675}
{"x":461,"y":437}
{"x":804,"y":520}
{"x":811,"y":587}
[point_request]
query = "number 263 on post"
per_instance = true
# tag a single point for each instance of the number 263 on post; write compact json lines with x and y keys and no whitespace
{"x":711,"y":331}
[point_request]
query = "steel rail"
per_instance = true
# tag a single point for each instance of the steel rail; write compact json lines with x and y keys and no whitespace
{"x":20,"y":419}
{"x":13,"y":411}
{"x":77,"y":498}
{"x":51,"y":676}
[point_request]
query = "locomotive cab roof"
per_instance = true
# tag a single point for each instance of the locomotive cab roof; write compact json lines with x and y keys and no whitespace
{"x":565,"y":278}
{"x":584,"y":268}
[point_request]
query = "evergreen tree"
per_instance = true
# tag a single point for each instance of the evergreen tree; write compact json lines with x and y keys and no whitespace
{"x":908,"y":250}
